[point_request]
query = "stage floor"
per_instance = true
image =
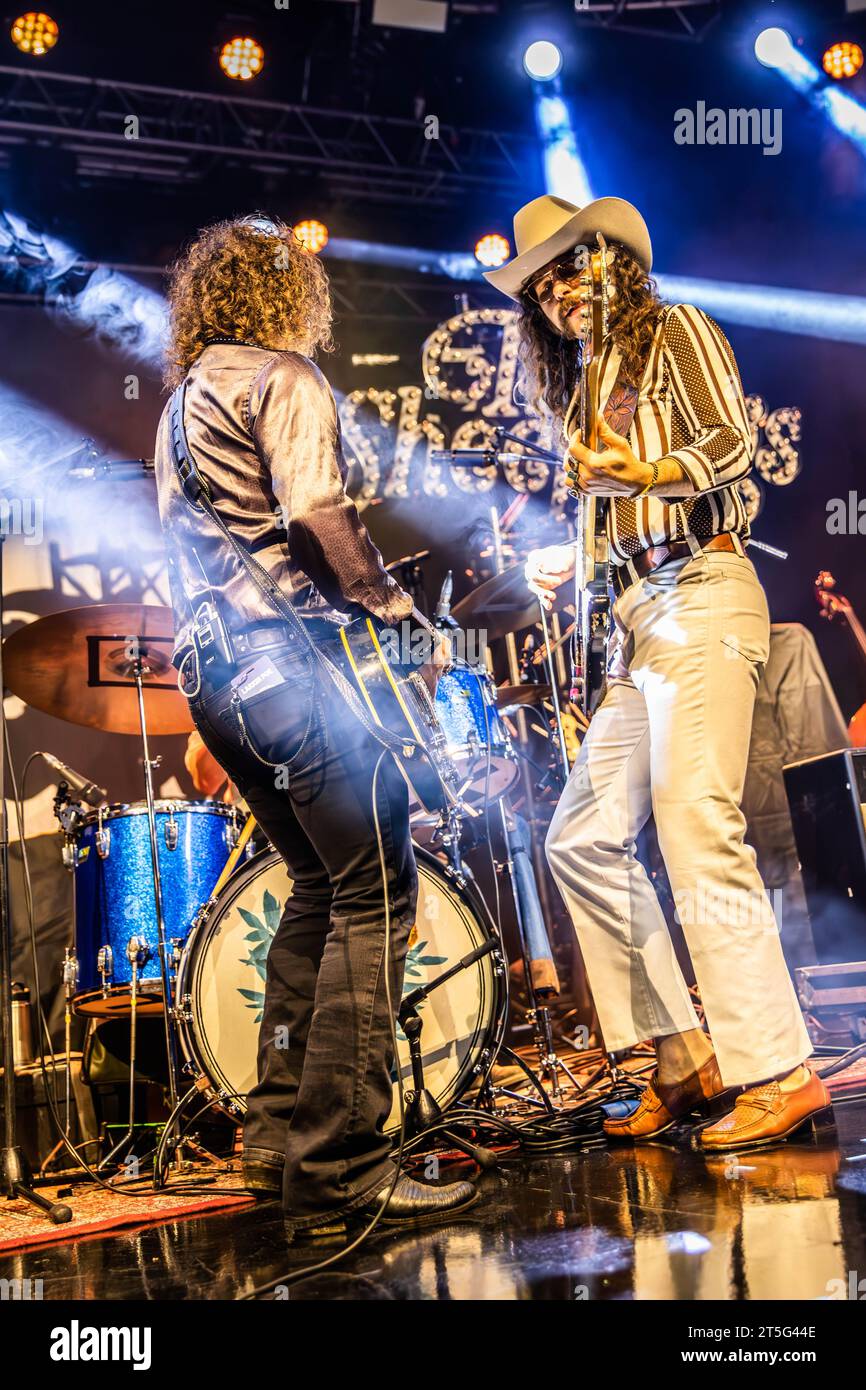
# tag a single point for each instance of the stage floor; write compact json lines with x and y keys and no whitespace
{"x":655,"y":1222}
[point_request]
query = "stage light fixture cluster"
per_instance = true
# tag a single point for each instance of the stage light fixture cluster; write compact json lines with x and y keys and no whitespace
{"x":35,"y":33}
{"x":843,"y":60}
{"x":242,"y":58}
{"x":313,"y":235}
{"x":492,"y":250}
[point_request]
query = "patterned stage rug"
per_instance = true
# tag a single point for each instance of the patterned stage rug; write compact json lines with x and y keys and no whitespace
{"x":96,"y":1212}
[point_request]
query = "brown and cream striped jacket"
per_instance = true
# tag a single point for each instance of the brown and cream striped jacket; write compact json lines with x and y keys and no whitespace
{"x":690,"y":408}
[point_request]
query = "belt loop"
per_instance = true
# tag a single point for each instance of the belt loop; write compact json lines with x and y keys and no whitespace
{"x":632,"y":572}
{"x":738,"y":543}
{"x":693,"y":544}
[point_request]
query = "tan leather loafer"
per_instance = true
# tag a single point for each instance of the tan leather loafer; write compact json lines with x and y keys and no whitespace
{"x":661,"y":1106}
{"x":767,"y":1114}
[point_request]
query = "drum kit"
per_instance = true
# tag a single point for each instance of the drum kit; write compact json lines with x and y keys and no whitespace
{"x":175,"y":903}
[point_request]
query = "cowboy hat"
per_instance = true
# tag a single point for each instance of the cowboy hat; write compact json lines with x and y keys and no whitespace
{"x":549,"y":227}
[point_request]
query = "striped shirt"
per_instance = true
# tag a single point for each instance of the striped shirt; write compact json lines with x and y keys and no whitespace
{"x":690,"y":408}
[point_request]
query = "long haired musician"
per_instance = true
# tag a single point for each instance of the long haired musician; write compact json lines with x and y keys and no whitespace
{"x":671,"y":736}
{"x":249,"y":308}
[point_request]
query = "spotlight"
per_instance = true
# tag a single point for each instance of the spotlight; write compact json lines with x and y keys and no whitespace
{"x":311,"y":234}
{"x":773,"y":47}
{"x":492,"y":250}
{"x":35,"y":32}
{"x":242,"y":58}
{"x":542,"y":60}
{"x":843,"y":60}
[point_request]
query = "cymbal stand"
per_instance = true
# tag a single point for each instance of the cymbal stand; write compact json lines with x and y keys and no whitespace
{"x":139,"y":670}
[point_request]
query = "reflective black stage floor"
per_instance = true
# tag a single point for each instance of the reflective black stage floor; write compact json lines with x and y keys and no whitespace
{"x":787,"y":1223}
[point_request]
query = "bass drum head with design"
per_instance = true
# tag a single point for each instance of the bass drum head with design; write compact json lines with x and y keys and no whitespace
{"x":222,"y":981}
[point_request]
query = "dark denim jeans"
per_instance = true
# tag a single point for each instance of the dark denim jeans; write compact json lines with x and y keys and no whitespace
{"x":322,"y":1099}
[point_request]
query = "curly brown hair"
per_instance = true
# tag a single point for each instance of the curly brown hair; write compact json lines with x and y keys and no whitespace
{"x":249,"y":279}
{"x":550,"y":365}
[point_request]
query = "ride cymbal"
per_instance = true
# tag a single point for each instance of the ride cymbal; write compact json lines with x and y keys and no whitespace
{"x":78,"y":666}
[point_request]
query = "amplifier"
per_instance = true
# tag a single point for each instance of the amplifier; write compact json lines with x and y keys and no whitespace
{"x":827,"y":797}
{"x":834,"y":996}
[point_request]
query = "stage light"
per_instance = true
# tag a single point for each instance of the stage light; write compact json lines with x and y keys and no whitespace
{"x":773,"y":47}
{"x":312,"y":234}
{"x":492,"y":250}
{"x":542,"y":60}
{"x":843,"y":60}
{"x":35,"y":32}
{"x":242,"y":58}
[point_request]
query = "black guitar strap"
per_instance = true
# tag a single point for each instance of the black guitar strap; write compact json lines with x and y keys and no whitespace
{"x":197,"y":493}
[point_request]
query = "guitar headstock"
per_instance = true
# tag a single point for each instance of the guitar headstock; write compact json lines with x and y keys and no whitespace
{"x":830,"y":603}
{"x":594,"y":314}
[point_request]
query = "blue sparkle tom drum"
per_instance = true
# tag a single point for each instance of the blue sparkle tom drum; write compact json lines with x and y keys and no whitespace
{"x":476,"y":739}
{"x":115,"y":903}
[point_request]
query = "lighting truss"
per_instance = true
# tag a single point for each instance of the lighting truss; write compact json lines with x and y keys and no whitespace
{"x":181,"y":136}
{"x":669,"y":19}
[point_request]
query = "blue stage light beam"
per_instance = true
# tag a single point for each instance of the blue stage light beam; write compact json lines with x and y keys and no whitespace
{"x":105,"y":303}
{"x":835,"y":317}
{"x":565,"y":173}
{"x":838,"y":318}
{"x":776,"y":49}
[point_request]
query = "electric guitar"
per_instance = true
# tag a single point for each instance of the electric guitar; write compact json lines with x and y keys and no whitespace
{"x":397,"y":704}
{"x":832,"y":606}
{"x":592,"y":605}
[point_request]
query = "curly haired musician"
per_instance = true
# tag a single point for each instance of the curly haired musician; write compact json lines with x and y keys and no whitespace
{"x":672,"y":734}
{"x":249,"y":307}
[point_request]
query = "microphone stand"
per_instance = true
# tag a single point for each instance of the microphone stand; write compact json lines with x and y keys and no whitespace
{"x":16,"y":1176}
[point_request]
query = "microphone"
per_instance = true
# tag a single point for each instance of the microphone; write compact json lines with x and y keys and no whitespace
{"x":443,"y":607}
{"x":87,"y":790}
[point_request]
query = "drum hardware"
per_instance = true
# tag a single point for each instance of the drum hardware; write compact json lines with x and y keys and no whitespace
{"x":538,"y":1014}
{"x":70,"y":984}
{"x":554,"y":691}
{"x":422,"y":1111}
{"x":170,"y":831}
{"x":105,"y":966}
{"x":137,"y":953}
{"x":102,"y":838}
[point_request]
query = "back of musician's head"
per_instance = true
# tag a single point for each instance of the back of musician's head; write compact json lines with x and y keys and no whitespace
{"x":249,"y":279}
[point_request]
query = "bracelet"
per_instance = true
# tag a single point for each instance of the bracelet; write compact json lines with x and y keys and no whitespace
{"x":651,"y":484}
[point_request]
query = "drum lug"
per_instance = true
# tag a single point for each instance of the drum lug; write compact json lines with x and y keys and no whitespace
{"x":182,"y":1012}
{"x":71,"y":971}
{"x":103,"y":842}
{"x":137,"y":951}
{"x":170,"y":831}
{"x":105,"y":965}
{"x":176,"y":951}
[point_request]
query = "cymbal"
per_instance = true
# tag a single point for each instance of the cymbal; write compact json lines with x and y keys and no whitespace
{"x":508,"y":695}
{"x":505,"y":604}
{"x":77,"y":666}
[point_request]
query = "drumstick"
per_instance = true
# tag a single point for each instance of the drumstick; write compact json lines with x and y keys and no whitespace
{"x":249,"y":827}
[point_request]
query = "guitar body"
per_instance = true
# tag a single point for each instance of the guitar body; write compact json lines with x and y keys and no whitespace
{"x":396,"y":699}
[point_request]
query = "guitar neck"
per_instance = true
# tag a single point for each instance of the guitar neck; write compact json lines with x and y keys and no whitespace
{"x":857,"y":629}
